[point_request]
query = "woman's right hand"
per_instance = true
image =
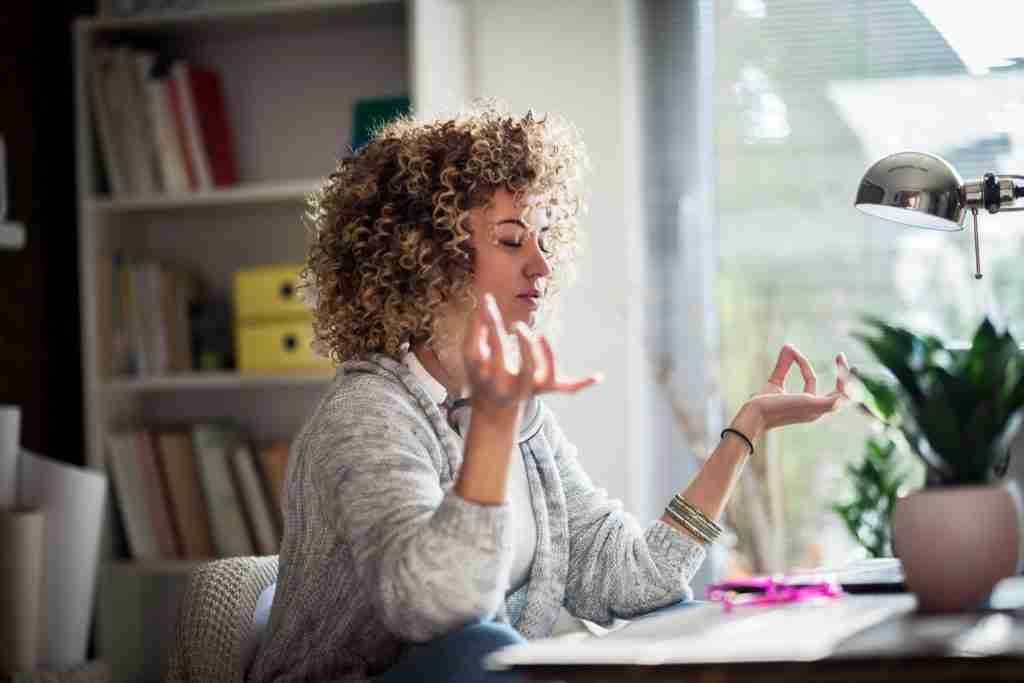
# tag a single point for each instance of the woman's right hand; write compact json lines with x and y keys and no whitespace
{"x":495,"y":390}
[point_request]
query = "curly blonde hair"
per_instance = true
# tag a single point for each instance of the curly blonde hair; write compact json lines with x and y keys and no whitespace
{"x":389,"y":228}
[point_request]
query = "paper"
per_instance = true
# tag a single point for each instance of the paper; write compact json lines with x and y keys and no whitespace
{"x":10,"y":436}
{"x":72,"y":499}
{"x":21,"y":537}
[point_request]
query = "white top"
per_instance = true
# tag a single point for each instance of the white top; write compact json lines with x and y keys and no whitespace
{"x":518,"y":488}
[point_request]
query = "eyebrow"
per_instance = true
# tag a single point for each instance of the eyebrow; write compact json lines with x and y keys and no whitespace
{"x":519,"y":222}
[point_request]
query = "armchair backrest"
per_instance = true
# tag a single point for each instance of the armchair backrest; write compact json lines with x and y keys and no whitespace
{"x":215,"y":619}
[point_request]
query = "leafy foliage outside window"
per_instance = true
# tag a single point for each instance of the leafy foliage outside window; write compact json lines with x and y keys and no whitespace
{"x":877,"y":481}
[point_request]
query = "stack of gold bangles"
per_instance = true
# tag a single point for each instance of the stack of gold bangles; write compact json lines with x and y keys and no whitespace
{"x":702,"y":527}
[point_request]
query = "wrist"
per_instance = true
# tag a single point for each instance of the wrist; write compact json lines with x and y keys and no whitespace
{"x":749,"y":421}
{"x":496,"y":418}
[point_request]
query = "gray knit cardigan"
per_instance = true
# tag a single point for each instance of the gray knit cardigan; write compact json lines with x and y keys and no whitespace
{"x":379,"y":553}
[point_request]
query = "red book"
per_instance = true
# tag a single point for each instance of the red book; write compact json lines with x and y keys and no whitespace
{"x":176,"y":100}
{"x":204,"y":103}
{"x":156,"y":496}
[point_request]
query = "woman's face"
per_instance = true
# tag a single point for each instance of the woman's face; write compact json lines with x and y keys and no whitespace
{"x":511,"y":262}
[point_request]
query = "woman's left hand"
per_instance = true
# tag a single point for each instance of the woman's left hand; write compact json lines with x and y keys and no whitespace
{"x":775,"y":407}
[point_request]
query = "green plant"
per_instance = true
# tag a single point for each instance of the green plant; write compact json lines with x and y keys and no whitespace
{"x":877,"y":481}
{"x":957,"y":408}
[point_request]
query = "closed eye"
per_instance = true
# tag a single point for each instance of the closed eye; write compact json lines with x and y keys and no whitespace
{"x":515,"y":238}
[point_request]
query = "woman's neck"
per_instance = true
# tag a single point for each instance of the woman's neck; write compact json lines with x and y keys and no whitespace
{"x":445,"y":366}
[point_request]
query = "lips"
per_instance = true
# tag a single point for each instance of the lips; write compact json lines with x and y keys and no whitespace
{"x":530,"y":298}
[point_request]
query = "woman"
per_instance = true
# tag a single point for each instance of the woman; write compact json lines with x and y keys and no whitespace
{"x":420,"y":536}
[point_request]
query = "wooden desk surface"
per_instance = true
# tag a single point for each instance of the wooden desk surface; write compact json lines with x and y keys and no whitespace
{"x":923,"y":669}
{"x":978,"y":646}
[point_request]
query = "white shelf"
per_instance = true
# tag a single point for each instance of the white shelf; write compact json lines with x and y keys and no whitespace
{"x":218,"y":381}
{"x":238,"y":195}
{"x":268,"y":12}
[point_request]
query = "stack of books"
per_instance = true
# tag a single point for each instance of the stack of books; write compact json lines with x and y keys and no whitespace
{"x":162,"y":124}
{"x":197,"y":491}
{"x":145,"y":317}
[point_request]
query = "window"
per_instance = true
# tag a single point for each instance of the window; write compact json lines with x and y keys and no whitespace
{"x":807,"y":95}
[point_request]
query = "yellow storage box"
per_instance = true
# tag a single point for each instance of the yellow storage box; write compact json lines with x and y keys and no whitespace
{"x":278,"y":347}
{"x":268,"y":293}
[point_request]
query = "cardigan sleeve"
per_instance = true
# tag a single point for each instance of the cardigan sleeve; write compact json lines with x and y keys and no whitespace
{"x":429,"y":560}
{"x":616,"y":568}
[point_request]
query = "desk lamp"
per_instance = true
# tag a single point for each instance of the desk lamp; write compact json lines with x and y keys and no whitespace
{"x":925,"y":191}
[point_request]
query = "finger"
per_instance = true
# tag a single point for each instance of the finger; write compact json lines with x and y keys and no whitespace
{"x":572,"y":386}
{"x":782,"y":365}
{"x":527,"y":361}
{"x":549,"y":361}
{"x":843,"y":371}
{"x":495,"y":328}
{"x":477,"y":352}
{"x":540,"y":362}
{"x":810,"y":379}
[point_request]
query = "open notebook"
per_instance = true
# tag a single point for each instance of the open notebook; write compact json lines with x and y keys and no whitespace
{"x":706,"y":633}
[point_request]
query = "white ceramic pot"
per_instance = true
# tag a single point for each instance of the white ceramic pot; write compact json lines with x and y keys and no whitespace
{"x":956,"y":543}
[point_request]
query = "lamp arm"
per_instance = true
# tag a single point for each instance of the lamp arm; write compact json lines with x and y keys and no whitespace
{"x":994,"y":193}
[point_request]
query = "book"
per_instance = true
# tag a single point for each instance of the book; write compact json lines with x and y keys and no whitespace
{"x":262,"y":522}
{"x":213,"y":443}
{"x":274,"y":463}
{"x":189,"y":510}
{"x":168,"y":151}
{"x":205,"y":95}
{"x":181,"y":77}
{"x":101,"y":75}
{"x":156,"y":495}
{"x":130,"y":492}
{"x":105,"y":312}
{"x":186,"y":293}
{"x":132,"y":67}
{"x":175,"y":96}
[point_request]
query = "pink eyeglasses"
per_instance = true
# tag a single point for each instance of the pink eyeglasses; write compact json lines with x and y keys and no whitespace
{"x":765,"y":590}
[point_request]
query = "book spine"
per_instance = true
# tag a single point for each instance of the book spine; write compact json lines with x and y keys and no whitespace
{"x":258,"y":512}
{"x":181,"y":131}
{"x":129,"y":488}
{"x":129,"y":109}
{"x":139,"y":64}
{"x":274,"y":462}
{"x":211,"y":110}
{"x":227,"y":521}
{"x":172,"y":162}
{"x":181,"y":77}
{"x":101,"y":63}
{"x":178,"y":463}
{"x":156,"y":496}
{"x":105,"y":306}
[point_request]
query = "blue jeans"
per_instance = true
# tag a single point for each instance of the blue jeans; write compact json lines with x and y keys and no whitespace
{"x":456,"y":657}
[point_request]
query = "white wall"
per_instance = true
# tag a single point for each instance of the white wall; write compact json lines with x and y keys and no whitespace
{"x":577,"y":58}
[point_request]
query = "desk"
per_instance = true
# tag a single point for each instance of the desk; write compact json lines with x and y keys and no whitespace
{"x":978,"y":646}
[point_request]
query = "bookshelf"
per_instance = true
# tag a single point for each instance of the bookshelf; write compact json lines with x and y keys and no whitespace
{"x":291,"y":73}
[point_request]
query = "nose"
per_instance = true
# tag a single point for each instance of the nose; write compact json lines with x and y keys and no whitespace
{"x":537,"y":265}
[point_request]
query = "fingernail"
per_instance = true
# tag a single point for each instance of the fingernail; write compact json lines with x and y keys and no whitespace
{"x":598,"y":377}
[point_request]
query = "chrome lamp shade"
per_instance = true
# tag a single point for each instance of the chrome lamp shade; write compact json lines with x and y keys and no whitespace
{"x":925,"y":191}
{"x":913,"y":188}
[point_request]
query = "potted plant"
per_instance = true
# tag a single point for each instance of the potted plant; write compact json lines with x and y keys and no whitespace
{"x":958,"y":409}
